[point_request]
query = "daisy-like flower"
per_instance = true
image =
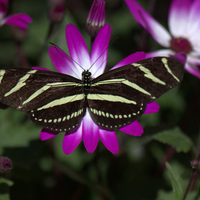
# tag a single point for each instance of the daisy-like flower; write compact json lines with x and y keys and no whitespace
{"x":184,"y":27}
{"x":19,"y":20}
{"x":96,"y":18}
{"x":88,"y":131}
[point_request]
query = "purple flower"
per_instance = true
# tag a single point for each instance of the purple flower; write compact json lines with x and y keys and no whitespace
{"x":96,"y":18}
{"x":19,"y":20}
{"x":184,"y":27}
{"x":88,"y":131}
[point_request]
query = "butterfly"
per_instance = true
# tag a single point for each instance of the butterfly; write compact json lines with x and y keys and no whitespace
{"x":114,"y":99}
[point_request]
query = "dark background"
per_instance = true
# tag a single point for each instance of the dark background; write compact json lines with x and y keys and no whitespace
{"x":41,"y":170}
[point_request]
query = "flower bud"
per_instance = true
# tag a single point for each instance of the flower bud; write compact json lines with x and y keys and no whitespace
{"x":5,"y":165}
{"x":96,"y":18}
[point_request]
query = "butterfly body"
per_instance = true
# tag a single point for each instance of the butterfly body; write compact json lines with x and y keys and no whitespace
{"x":114,"y":99}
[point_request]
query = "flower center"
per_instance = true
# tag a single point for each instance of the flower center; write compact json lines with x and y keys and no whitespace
{"x":180,"y":45}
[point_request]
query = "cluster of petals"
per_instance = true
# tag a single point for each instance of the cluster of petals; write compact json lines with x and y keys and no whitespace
{"x":184,"y":30}
{"x":96,"y":17}
{"x":88,"y":131}
{"x":19,"y":20}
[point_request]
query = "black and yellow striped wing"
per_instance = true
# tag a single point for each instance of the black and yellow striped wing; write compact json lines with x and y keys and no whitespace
{"x":119,"y":96}
{"x":52,"y":100}
{"x":114,"y":99}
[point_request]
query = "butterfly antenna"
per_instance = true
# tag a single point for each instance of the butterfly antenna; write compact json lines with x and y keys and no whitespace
{"x":57,"y":47}
{"x":102,"y":54}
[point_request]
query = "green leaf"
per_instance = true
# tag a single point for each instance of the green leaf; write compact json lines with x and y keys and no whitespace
{"x":6,"y":181}
{"x":14,"y":133}
{"x":177,"y":182}
{"x":163,"y":195}
{"x":176,"y":138}
{"x":4,"y":197}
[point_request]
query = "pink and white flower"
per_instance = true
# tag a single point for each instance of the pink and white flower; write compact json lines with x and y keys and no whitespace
{"x":19,"y":20}
{"x":184,"y":30}
{"x":88,"y":131}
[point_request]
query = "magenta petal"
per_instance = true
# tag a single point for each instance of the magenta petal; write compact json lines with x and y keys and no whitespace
{"x":41,"y":68}
{"x":19,"y":20}
{"x":134,"y":129}
{"x":194,"y":22}
{"x":4,"y":1}
{"x":162,"y":52}
{"x":181,"y":57}
{"x":3,"y":10}
{"x":90,"y":133}
{"x":71,"y":141}
{"x":152,"y":108}
{"x":131,"y":59}
{"x":179,"y":16}
{"x":158,"y":32}
{"x":62,"y":62}
{"x":109,"y":139}
{"x":99,"y":51}
{"x":192,"y":69}
{"x":46,"y":134}
{"x":77,"y":47}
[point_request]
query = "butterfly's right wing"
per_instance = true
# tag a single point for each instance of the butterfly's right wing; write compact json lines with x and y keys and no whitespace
{"x":119,"y":96}
{"x":52,"y":100}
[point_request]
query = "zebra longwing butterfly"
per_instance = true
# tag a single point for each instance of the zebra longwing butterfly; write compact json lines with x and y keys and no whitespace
{"x":116,"y":98}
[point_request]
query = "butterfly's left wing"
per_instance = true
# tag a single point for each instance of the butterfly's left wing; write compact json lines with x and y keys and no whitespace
{"x":119,"y":96}
{"x":52,"y":100}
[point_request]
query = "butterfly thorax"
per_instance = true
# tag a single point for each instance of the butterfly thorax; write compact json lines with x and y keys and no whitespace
{"x":86,"y":81}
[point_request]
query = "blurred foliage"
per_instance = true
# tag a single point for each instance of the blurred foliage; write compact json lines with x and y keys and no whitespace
{"x":42,"y":171}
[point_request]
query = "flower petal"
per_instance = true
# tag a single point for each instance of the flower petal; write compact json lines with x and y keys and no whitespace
{"x":131,"y":59}
{"x":46,"y":134}
{"x":152,"y":108}
{"x":62,"y":62}
{"x":192,"y":69}
{"x":4,"y":1}
{"x":99,"y":53}
{"x":90,"y":133}
{"x":162,"y":52}
{"x":71,"y":141}
{"x":3,"y":10}
{"x":157,"y":31}
{"x":134,"y":129}
{"x":109,"y":139}
{"x":77,"y":47}
{"x":179,"y":16}
{"x":19,"y":20}
{"x":194,"y":22}
{"x":181,"y":57}
{"x":41,"y":68}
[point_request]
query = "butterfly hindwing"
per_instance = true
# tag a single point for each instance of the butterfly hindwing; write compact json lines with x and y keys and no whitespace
{"x":113,"y":111}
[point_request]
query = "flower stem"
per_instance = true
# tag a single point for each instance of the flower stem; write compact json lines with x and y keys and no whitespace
{"x":193,"y":178}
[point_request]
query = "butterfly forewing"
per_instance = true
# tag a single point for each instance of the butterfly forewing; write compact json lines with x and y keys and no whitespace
{"x":143,"y":81}
{"x":52,"y":100}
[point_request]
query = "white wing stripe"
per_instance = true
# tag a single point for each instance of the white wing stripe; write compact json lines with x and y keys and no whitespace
{"x":46,"y":87}
{"x":124,"y":81}
{"x":111,"y":98}
{"x":62,"y":101}
{"x":2,"y":72}
{"x":20,"y":83}
{"x":164,"y":60}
